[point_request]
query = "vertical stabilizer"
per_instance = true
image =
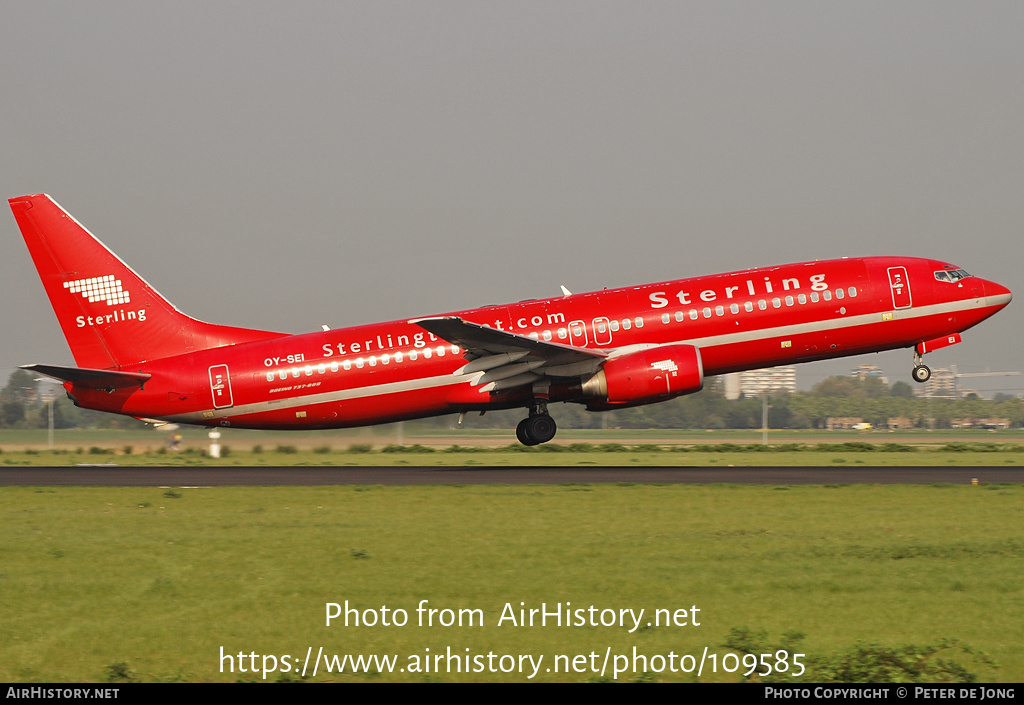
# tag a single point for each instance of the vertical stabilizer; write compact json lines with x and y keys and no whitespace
{"x":110,"y":316}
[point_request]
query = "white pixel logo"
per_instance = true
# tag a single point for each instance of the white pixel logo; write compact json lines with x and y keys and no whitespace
{"x":666,"y":366}
{"x":99,"y":289}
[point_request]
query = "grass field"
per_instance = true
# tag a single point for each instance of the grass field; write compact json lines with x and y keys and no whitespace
{"x":108,"y":583}
{"x":499,"y":448}
{"x":411,"y":433}
{"x":493,"y":458}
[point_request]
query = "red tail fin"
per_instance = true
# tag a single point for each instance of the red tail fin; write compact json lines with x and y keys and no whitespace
{"x":110,"y":316}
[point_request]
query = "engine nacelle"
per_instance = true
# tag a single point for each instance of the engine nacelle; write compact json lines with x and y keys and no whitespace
{"x":646,"y":376}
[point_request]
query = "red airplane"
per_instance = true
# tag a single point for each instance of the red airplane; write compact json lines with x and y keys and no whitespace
{"x":139,"y":355}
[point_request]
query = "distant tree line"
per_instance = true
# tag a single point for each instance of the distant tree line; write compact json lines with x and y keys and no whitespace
{"x":22,"y":406}
{"x":870,"y":400}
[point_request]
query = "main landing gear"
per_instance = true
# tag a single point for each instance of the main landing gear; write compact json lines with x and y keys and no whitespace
{"x":921,"y":372}
{"x":538,"y":427}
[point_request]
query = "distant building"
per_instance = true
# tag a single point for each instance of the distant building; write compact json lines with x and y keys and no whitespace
{"x":754,"y":383}
{"x":846,"y":423}
{"x":901,"y":423}
{"x":994,"y":423}
{"x":731,"y":386}
{"x":862,"y":372}
{"x":941,"y":385}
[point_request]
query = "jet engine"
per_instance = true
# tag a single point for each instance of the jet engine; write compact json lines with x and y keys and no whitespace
{"x":645,"y":377}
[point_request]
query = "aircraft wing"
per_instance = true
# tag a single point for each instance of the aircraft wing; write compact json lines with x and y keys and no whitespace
{"x":482,"y":341}
{"x":507,"y":359}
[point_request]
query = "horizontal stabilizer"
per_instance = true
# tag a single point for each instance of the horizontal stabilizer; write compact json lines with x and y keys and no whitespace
{"x":91,"y":379}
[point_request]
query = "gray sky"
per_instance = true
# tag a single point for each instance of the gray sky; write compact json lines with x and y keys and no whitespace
{"x":284,"y":165}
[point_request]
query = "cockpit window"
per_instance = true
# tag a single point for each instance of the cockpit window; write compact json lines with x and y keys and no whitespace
{"x":951,"y":275}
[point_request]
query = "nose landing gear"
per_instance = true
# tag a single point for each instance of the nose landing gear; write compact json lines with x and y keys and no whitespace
{"x":921,"y":373}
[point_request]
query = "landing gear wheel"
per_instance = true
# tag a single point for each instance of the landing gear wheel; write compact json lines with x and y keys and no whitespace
{"x":534,"y":430}
{"x":921,"y":374}
{"x":541,"y":428}
{"x":522,"y":435}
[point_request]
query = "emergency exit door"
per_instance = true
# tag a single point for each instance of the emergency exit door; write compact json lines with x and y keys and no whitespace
{"x":899,"y":285}
{"x":220,"y":386}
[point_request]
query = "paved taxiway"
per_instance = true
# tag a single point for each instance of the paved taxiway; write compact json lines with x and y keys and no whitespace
{"x":377,"y":475}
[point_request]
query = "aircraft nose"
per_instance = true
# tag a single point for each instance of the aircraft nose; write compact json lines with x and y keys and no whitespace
{"x":997,"y":294}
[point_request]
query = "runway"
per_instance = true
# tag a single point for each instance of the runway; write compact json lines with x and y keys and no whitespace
{"x":149,"y":476}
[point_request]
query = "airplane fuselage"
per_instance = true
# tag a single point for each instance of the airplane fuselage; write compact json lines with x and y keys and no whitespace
{"x":137,"y":354}
{"x":398,"y":370}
